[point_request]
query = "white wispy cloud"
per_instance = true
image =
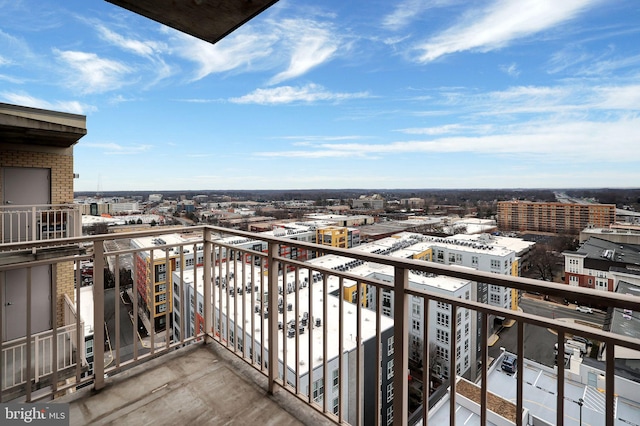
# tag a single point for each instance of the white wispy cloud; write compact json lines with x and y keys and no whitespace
{"x":288,"y":47}
{"x":311,"y":43}
{"x":111,"y":148}
{"x":511,"y":70}
{"x":91,"y":73}
{"x":407,"y":11}
{"x":143,"y":48}
{"x":316,"y":138}
{"x":552,"y":141}
{"x":448,"y":129}
{"x":240,"y":50}
{"x":288,"y":94}
{"x":24,"y":99}
{"x":151,"y":50}
{"x":499,"y":24}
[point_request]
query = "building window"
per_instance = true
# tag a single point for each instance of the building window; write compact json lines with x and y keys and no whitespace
{"x":336,"y":405}
{"x":442,"y":319}
{"x":458,"y":335}
{"x":442,"y":353}
{"x":442,"y":336}
{"x":495,"y":264}
{"x":415,"y":309}
{"x":416,"y":325}
{"x":318,"y":390}
{"x":390,"y":415}
{"x":161,"y":297}
{"x":452,"y":258}
{"x":466,"y":329}
{"x":390,"y":392}
{"x":389,"y":369}
{"x":390,"y":346}
{"x":458,"y":258}
{"x":161,"y":308}
{"x":443,"y":306}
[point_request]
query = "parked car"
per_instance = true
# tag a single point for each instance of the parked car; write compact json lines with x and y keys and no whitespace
{"x":509,"y":363}
{"x":584,"y":309}
{"x":582,"y":340}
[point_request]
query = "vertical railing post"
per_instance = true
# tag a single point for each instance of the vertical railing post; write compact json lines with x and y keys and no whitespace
{"x":520,"y":375}
{"x":484,"y":327}
{"x":401,"y":347}
{"x":98,"y":313}
{"x":28,"y":337}
{"x":560,"y":379}
{"x":33,"y":224}
{"x":609,"y":378}
{"x":272,"y":306}
{"x":77,"y":222}
{"x":208,"y":312}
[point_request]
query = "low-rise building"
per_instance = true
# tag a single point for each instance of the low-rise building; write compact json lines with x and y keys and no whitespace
{"x":597,"y":261}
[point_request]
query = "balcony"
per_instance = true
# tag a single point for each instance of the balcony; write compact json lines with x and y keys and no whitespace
{"x":252,"y":329}
{"x":38,"y":223}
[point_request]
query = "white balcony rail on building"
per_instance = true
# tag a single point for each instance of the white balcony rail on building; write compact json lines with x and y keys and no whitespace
{"x":15,"y":368}
{"x":302,"y":361}
{"x":39,"y":222}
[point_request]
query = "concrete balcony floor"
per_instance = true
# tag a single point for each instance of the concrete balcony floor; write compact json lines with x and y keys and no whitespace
{"x":196,"y":385}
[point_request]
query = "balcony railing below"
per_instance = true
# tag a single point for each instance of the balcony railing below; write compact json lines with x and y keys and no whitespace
{"x":39,"y":222}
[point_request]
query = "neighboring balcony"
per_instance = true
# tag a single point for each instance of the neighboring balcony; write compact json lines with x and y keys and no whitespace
{"x":250,"y":329}
{"x":40,"y":222}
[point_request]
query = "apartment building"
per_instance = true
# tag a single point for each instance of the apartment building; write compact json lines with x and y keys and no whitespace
{"x":597,"y":263}
{"x":558,"y":218}
{"x":152,"y":272}
{"x":36,"y":192}
{"x":374,"y":202}
{"x":302,"y":362}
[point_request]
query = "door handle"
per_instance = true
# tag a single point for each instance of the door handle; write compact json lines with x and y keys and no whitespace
{"x":8,"y":202}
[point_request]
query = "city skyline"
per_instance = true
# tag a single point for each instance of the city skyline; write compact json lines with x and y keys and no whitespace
{"x":408,"y":94}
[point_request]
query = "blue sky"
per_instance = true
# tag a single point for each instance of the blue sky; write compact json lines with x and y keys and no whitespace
{"x":340,"y":94}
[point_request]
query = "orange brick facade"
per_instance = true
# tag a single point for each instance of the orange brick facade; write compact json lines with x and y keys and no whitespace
{"x":559,"y":218}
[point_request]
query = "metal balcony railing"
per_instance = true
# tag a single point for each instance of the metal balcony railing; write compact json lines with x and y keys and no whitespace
{"x":39,"y":222}
{"x":290,"y":319}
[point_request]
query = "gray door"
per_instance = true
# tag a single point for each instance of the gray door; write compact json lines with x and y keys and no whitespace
{"x":15,"y":302}
{"x":22,"y":186}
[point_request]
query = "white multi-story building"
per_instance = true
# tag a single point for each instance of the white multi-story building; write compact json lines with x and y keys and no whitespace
{"x":239,"y":321}
{"x":481,"y":253}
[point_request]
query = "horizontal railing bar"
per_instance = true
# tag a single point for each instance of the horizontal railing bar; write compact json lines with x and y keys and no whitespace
{"x":533,"y":319}
{"x":526,"y":284}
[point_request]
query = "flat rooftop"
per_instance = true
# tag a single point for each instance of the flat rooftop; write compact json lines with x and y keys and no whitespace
{"x":539,"y":389}
{"x":311,"y":291}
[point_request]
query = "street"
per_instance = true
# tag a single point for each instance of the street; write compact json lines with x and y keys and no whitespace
{"x":126,"y":326}
{"x":539,"y":342}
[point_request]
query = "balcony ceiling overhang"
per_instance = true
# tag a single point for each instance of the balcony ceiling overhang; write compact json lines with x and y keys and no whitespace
{"x":209,"y":20}
{"x":30,"y":131}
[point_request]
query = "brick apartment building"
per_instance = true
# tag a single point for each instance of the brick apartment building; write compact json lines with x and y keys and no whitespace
{"x":558,"y":218}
